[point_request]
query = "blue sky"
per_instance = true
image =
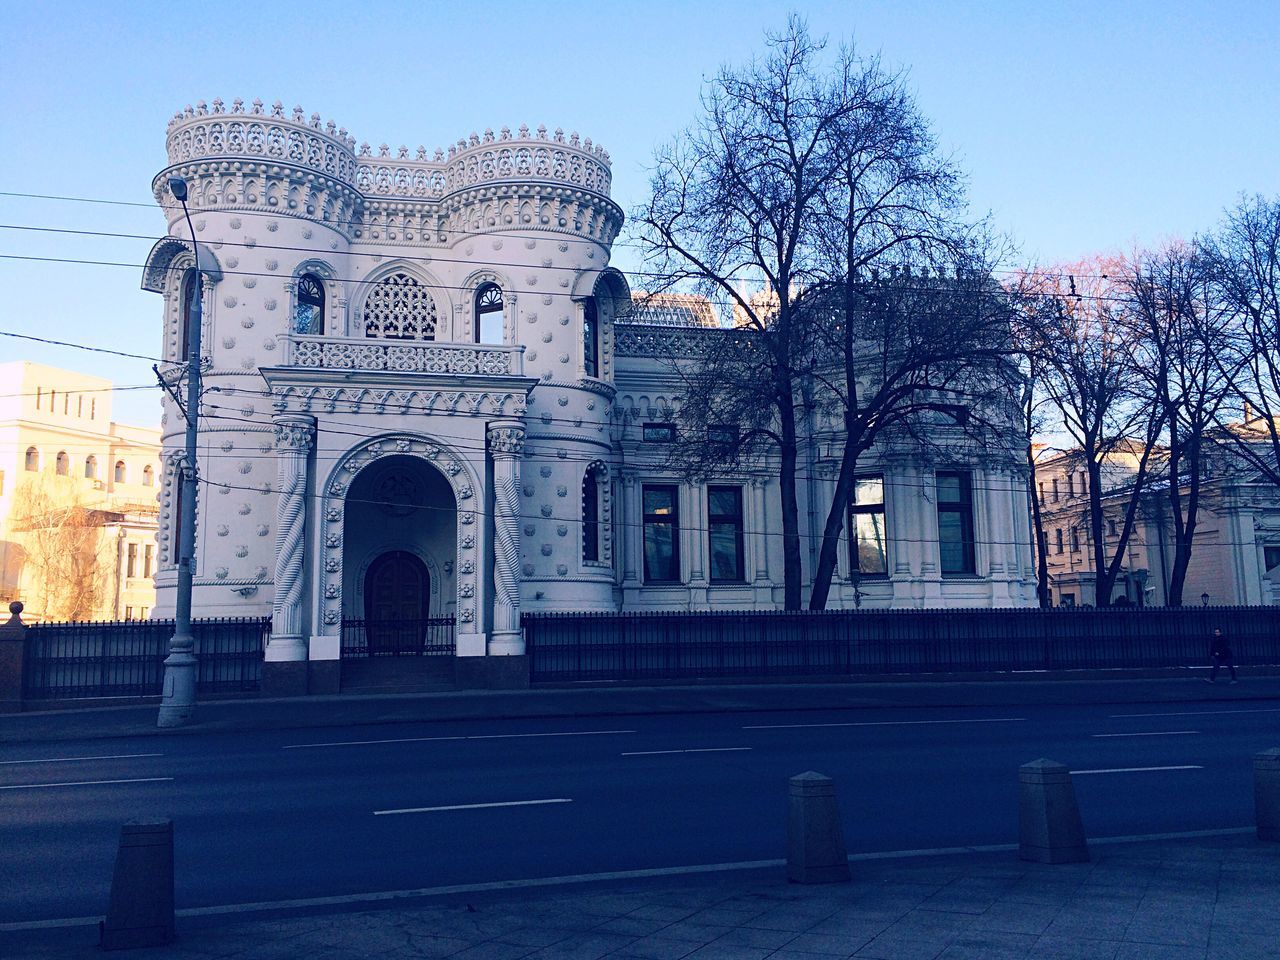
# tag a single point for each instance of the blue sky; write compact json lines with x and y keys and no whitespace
{"x":1084,"y":127}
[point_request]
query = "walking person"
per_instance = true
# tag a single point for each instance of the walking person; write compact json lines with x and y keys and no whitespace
{"x":1220,"y":653}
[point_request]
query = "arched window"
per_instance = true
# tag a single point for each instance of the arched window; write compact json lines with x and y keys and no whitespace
{"x":308,"y":315}
{"x":590,"y":338}
{"x":591,"y":515}
{"x":119,"y":472}
{"x":185,"y":311}
{"x":33,"y":459}
{"x":62,"y":464}
{"x":91,"y":467}
{"x":148,"y":476}
{"x":400,"y":308}
{"x":489,"y":318}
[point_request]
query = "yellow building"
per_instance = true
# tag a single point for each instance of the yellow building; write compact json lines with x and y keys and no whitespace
{"x":78,"y":511}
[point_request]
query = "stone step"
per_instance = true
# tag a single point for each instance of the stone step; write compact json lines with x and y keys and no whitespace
{"x":397,"y":675}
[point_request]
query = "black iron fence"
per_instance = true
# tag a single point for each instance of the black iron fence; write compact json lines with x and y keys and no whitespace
{"x":653,"y":646}
{"x":126,"y":658}
{"x":362,"y":639}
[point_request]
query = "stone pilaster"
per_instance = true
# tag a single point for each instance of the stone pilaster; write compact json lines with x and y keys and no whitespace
{"x":506,"y":446}
{"x":294,"y":438}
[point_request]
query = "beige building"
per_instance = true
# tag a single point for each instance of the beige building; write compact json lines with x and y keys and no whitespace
{"x":78,"y":510}
{"x":1235,"y":553}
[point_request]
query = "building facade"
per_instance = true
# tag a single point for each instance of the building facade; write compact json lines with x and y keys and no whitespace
{"x":428,"y":395}
{"x":78,"y":511}
{"x":1235,"y":550}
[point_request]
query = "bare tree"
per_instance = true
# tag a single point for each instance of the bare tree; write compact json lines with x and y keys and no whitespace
{"x":1181,"y":336}
{"x":1245,"y":258}
{"x":1077,"y":333}
{"x":61,"y":542}
{"x":801,"y":180}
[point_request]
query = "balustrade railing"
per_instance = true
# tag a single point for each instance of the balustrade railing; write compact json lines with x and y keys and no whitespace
{"x":404,"y":356}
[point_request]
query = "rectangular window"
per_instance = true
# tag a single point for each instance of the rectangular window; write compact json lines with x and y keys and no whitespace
{"x":1057,"y":540}
{"x":148,"y":559}
{"x":1068,"y":600}
{"x":1071,"y":484}
{"x":591,"y":516}
{"x":1075,"y":539}
{"x":1041,"y":486}
{"x":128,"y":613}
{"x":658,"y":433}
{"x":590,"y":338}
{"x":955,"y":522}
{"x":724,"y":435}
{"x":131,"y":561}
{"x":1111,"y":529}
{"x":724,"y":523}
{"x":1,"y":483}
{"x":868,"y":543}
{"x":661,"y":533}
{"x":1055,"y":489}
{"x":1044,"y":543}
{"x":142,"y":613}
{"x":1270,"y":558}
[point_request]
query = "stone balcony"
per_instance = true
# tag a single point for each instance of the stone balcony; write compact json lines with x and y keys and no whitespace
{"x":404,"y":356}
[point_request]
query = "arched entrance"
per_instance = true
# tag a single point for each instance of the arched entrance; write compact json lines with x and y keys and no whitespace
{"x":397,"y":603}
{"x":399,"y":560}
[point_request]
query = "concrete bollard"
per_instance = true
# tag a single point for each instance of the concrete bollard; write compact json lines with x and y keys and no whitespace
{"x":140,"y":913}
{"x":815,"y":840}
{"x":1049,"y":827}
{"x":1266,"y":793}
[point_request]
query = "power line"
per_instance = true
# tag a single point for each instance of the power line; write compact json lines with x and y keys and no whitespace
{"x":79,"y":346}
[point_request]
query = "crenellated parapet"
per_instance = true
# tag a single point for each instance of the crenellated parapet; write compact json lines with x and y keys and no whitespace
{"x":242,"y":157}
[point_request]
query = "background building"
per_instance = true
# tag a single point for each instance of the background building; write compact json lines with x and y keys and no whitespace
{"x":78,"y":512}
{"x":1235,"y":553}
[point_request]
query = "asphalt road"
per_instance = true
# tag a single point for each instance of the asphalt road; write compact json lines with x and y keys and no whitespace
{"x":288,"y":814}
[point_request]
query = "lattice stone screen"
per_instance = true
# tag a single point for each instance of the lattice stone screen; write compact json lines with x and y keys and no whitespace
{"x":400,"y":308}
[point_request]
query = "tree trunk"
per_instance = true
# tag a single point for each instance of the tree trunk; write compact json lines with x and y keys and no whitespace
{"x":788,"y":453}
{"x":1037,"y":526}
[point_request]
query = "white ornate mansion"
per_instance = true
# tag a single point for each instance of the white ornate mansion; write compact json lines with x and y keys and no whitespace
{"x":420,"y":403}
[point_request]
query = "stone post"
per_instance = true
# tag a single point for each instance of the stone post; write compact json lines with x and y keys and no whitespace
{"x":284,"y":663}
{"x":13,"y":647}
{"x":1049,"y":827}
{"x":506,"y":446}
{"x":815,"y":840}
{"x":1266,"y":793}
{"x":140,"y":912}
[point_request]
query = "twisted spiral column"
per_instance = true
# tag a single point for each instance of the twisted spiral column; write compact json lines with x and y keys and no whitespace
{"x":506,"y":446}
{"x":294,"y":438}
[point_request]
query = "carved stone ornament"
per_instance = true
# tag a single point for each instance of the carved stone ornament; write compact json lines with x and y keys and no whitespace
{"x":507,"y":441}
{"x":295,"y":433}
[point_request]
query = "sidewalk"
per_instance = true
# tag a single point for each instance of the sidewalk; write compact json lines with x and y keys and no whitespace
{"x":219,"y":716}
{"x":1213,"y":898}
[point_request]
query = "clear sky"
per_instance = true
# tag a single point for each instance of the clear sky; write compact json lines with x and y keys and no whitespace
{"x":1084,"y":126}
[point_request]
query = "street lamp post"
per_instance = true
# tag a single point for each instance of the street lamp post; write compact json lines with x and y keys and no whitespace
{"x":178,"y":696}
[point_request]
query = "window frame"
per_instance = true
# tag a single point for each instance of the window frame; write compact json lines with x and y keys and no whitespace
{"x":120,"y":472}
{"x":672,"y":520}
{"x":870,"y":509}
{"x":187,"y":296}
{"x":303,"y":297}
{"x":590,"y":337}
{"x":31,"y":460}
{"x":656,"y":428}
{"x":735,"y":520}
{"x":591,"y":515}
{"x":964,"y":509}
{"x":481,"y":309}
{"x":62,"y":464}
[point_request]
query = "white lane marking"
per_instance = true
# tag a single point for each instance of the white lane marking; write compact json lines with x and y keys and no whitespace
{"x":488,"y":736}
{"x":384,"y":896}
{"x":1156,"y":733}
{"x":654,"y":753}
{"x":116,"y":756}
{"x":1191,"y":713}
{"x":472,"y":806}
{"x":1136,"y":769}
{"x":82,"y":783}
{"x":880,"y":723}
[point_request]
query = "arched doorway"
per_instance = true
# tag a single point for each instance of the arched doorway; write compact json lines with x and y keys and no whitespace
{"x":400,"y":563}
{"x":397,"y":604}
